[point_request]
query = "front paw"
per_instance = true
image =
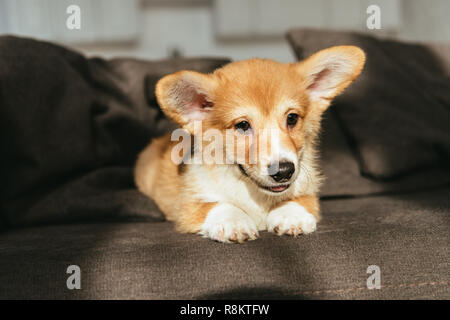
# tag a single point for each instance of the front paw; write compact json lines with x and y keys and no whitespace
{"x":292,"y":219}
{"x":227,"y":223}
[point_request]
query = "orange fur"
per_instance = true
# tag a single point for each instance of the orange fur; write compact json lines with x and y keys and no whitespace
{"x":310,"y":203}
{"x":192,"y":216}
{"x":155,"y":162}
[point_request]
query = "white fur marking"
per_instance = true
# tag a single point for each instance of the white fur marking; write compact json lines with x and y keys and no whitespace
{"x":292,"y":219}
{"x":226,"y":223}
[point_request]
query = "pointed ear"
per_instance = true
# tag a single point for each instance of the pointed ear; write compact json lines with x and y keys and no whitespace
{"x":328,"y":72}
{"x":186,"y":96}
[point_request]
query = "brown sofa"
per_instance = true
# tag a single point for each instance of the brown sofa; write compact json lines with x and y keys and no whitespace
{"x":71,"y":129}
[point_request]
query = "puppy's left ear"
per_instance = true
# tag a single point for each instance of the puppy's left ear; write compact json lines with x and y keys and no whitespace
{"x":328,"y":72}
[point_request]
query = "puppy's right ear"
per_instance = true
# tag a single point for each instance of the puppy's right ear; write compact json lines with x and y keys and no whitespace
{"x":186,"y":96}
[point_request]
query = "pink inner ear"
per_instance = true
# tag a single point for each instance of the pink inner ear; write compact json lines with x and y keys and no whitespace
{"x":198,"y":108}
{"x":319,"y":79}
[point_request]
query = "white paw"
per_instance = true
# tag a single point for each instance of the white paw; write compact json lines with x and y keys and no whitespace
{"x":291,"y":219}
{"x":227,"y":223}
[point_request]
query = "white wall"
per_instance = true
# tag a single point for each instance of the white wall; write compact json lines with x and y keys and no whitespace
{"x":242,"y":29}
{"x":192,"y":30}
{"x":426,"y":20}
{"x":102,"y":20}
{"x":238,"y":29}
{"x":237,"y":18}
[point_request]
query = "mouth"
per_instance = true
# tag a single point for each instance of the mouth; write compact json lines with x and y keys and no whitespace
{"x":277,"y":189}
{"x":274,"y":189}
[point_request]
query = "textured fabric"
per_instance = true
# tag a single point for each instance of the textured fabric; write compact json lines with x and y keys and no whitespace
{"x":406,"y":236}
{"x":71,"y":129}
{"x":342,"y":173}
{"x":397,"y":112}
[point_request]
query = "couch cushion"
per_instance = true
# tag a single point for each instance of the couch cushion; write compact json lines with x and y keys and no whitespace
{"x":71,"y":128}
{"x":397,"y":112}
{"x":342,"y":172}
{"x":405,"y":235}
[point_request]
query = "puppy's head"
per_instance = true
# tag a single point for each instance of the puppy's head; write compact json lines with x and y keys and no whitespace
{"x":268,"y":112}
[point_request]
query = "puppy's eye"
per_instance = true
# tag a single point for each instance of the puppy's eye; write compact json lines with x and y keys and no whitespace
{"x":292,"y":119}
{"x":243,"y":125}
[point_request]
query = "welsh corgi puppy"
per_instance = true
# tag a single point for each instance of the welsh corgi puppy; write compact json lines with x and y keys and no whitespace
{"x":243,"y":191}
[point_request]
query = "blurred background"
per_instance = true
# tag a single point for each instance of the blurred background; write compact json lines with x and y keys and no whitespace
{"x":240,"y":29}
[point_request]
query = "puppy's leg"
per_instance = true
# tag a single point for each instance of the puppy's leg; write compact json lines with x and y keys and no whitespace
{"x":227,"y":223}
{"x":294,"y":217}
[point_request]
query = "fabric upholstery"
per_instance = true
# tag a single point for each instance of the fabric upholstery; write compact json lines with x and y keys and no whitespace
{"x":405,"y":235}
{"x":71,"y":128}
{"x":343,"y":177}
{"x":397,"y":112}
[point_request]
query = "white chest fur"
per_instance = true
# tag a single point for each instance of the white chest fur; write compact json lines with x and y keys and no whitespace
{"x":225,"y":184}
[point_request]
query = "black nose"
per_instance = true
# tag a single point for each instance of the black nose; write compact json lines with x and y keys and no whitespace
{"x":284,"y":172}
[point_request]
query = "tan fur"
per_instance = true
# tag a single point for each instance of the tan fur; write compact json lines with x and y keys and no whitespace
{"x":310,"y":203}
{"x":261,"y":92}
{"x":192,"y":216}
{"x":152,"y":164}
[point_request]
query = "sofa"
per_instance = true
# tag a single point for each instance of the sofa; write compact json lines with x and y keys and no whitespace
{"x":71,"y":130}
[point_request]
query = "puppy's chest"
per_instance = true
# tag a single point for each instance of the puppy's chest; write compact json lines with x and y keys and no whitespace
{"x":256,"y":207}
{"x":224,"y":187}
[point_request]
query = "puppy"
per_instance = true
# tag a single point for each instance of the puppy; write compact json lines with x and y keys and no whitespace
{"x":243,"y":191}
